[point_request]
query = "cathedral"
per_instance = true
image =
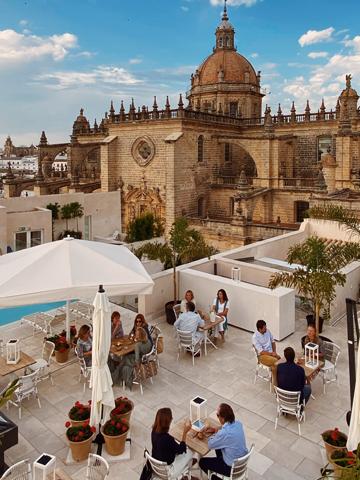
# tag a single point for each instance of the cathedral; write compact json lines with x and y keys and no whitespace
{"x":238,"y":174}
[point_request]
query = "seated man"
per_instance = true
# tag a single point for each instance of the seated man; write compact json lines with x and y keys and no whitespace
{"x":190,"y":322}
{"x":291,"y":377}
{"x":228,"y":441}
{"x":265,"y":347}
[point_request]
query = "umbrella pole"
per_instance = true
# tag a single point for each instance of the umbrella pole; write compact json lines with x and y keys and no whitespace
{"x":99,"y":439}
{"x":67,"y":324}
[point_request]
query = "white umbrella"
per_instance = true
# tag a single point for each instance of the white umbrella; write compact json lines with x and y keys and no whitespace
{"x":68,"y":269}
{"x":354,"y":429}
{"x":100,"y":381}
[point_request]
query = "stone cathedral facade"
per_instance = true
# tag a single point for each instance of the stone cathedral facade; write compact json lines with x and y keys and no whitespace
{"x":239,"y":175}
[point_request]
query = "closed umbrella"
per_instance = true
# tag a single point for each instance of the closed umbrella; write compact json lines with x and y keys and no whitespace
{"x":102,"y":398}
{"x":354,"y":429}
{"x":69,"y":269}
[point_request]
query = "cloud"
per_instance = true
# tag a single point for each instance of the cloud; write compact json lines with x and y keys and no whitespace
{"x":254,"y":55}
{"x":318,"y":54}
{"x":234,"y":3}
{"x":316,"y":36}
{"x":178,"y":71}
{"x":23,"y":22}
{"x":23,"y":47}
{"x":184,"y":9}
{"x":354,"y":43}
{"x":135,"y":61}
{"x":103,"y":74}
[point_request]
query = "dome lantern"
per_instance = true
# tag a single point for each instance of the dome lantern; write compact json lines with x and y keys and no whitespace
{"x":225,"y":33}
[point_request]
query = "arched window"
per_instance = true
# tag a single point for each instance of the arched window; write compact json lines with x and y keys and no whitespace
{"x":227,"y":41}
{"x":324,"y":145}
{"x":200,"y":148}
{"x":220,"y":42}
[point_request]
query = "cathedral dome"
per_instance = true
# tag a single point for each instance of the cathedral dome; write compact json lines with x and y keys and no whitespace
{"x":226,"y":66}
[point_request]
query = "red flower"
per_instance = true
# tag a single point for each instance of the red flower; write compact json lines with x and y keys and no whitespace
{"x":124,"y":420}
{"x":77,"y":438}
{"x":334,"y":435}
{"x":89,"y":402}
{"x":77,"y":404}
{"x":112,"y":422}
{"x":124,"y":428}
{"x":81,"y":433}
{"x":67,"y":424}
{"x":87,"y":421}
{"x":118,"y":425}
{"x":93,"y":429}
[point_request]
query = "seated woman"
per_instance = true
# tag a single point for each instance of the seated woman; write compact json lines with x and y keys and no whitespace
{"x":165,"y":448}
{"x":116,"y":326}
{"x":84,"y":344}
{"x":124,"y":372}
{"x":221,"y":308}
{"x":141,"y":322}
{"x":189,"y":297}
{"x":312,"y":337}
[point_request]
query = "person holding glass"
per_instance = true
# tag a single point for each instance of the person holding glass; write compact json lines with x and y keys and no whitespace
{"x":220,"y":307}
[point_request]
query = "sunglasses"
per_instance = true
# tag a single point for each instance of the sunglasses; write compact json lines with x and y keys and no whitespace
{"x":138,"y":321}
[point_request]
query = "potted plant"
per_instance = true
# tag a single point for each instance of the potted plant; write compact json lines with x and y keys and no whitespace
{"x":61,"y":348}
{"x":79,"y":414}
{"x":318,"y":272}
{"x":80,"y":438}
{"x":334,"y":440}
{"x":185,"y":245}
{"x":123,"y":408}
{"x":115,"y":432}
{"x":346,"y":464}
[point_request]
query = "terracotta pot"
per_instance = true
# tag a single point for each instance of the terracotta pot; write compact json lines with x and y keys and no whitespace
{"x":345,"y":473}
{"x":62,"y":357}
{"x":80,"y":450}
{"x":78,"y":423}
{"x":124,"y":415}
{"x":331,"y":448}
{"x":115,"y":445}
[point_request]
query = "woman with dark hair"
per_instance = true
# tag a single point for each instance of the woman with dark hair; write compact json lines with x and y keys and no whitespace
{"x":165,"y":448}
{"x":124,"y":372}
{"x":84,"y":344}
{"x":141,"y":322}
{"x":116,"y":326}
{"x":221,"y":308}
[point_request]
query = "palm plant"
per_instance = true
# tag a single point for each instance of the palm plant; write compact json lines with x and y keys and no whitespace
{"x":77,"y":211}
{"x":55,"y":210}
{"x":319,"y":272}
{"x":339,"y":214}
{"x":185,"y":245}
{"x":66,"y":214}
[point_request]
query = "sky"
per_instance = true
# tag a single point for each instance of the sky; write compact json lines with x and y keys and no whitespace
{"x":57,"y":56}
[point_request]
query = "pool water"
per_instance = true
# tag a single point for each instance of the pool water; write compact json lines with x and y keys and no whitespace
{"x":9,"y":315}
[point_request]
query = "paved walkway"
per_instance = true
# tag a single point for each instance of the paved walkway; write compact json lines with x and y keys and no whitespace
{"x":225,"y":375}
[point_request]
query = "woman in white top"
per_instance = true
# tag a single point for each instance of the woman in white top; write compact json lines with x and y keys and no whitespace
{"x":221,"y":308}
{"x":189,"y":297}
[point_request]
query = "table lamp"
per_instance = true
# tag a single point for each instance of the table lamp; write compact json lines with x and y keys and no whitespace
{"x":311,"y":355}
{"x":198,"y":413}
{"x":44,"y":467}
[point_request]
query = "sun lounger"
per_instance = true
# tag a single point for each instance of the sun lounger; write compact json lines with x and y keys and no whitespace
{"x":43,"y":322}
{"x":82,"y":309}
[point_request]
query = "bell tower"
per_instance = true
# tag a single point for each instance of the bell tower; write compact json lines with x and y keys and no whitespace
{"x":225,"y":33}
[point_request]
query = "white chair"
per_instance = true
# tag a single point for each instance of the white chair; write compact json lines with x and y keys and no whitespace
{"x":43,"y":364}
{"x":187,"y":342}
{"x":18,"y":471}
{"x":289,"y":403}
{"x":331,"y":356}
{"x":177,"y":310}
{"x":27,"y":388}
{"x":239,"y":469}
{"x":262,"y":371}
{"x":163,"y":471}
{"x":97,"y":468}
{"x":85,"y":371}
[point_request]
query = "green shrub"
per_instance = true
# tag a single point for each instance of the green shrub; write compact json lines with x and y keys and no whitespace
{"x":144,"y":227}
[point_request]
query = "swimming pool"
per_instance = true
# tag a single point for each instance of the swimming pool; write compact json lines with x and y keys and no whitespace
{"x":9,"y":315}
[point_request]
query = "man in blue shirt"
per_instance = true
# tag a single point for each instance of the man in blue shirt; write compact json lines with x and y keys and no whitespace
{"x":291,"y":377}
{"x":190,"y":322}
{"x":228,"y":441}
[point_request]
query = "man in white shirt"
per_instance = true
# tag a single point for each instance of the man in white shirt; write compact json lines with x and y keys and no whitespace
{"x":265,"y":346}
{"x":190,"y":322}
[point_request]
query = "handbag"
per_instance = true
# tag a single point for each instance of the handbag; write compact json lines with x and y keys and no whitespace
{"x":146,"y":472}
{"x":160,"y":344}
{"x":148,"y":370}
